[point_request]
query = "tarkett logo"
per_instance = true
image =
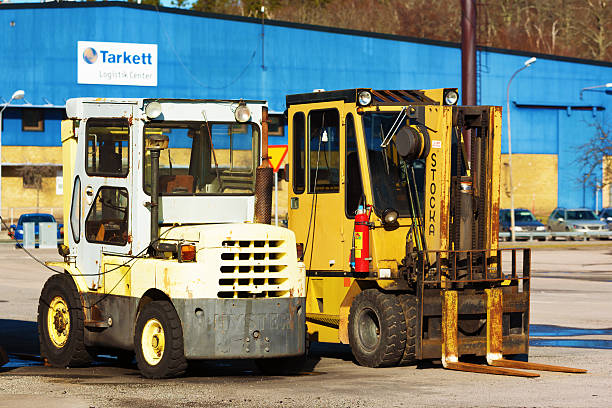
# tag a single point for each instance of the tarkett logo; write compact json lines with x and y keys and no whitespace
{"x":90,"y":55}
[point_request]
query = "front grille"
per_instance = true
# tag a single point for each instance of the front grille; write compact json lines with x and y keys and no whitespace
{"x":254,"y":269}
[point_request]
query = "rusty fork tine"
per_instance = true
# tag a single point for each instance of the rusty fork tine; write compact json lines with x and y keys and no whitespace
{"x":495,"y":309}
{"x":483,"y":369}
{"x":535,"y":366}
{"x":450,"y":346}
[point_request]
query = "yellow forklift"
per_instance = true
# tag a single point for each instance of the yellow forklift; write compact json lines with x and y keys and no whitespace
{"x":394,"y":200}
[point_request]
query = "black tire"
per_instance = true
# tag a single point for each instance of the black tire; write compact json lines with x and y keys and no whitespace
{"x":377,"y":329}
{"x":170,"y":360}
{"x":409,"y":308}
{"x":61,"y":334}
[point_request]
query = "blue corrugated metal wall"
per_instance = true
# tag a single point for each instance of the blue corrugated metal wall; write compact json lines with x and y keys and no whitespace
{"x":205,"y":57}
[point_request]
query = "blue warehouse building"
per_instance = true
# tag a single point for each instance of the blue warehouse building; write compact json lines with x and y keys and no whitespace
{"x":47,"y":51}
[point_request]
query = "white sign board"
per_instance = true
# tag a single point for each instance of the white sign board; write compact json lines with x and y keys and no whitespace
{"x":111,"y":63}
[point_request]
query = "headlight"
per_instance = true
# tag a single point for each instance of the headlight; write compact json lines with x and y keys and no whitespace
{"x":451,"y":97}
{"x":518,"y":228}
{"x":576,"y":226}
{"x":242,"y":114}
{"x":153,"y":110}
{"x":364,"y":98}
{"x":389,"y":219}
{"x":541,"y":228}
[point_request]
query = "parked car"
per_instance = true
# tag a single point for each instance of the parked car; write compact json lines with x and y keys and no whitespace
{"x":16,"y":230}
{"x":524,"y":221}
{"x":576,"y":220}
{"x":605,"y":215}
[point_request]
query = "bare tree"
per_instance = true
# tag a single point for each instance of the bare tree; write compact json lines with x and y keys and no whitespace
{"x":595,"y":157}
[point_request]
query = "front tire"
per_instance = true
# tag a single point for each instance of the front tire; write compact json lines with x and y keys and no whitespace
{"x":409,"y":308}
{"x":158,"y":341}
{"x":61,"y":329}
{"x":377,"y":329}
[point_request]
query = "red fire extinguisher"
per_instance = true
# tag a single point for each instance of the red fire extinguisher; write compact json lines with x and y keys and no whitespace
{"x":361,"y":240}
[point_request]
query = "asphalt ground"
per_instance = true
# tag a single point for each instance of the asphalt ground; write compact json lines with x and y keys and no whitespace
{"x":571,"y":324}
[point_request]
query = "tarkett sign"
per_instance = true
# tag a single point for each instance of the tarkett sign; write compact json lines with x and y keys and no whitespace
{"x":111,"y":63}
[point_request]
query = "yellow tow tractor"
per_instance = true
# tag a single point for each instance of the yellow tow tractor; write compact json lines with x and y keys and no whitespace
{"x":394,"y":200}
{"x":167,"y":251}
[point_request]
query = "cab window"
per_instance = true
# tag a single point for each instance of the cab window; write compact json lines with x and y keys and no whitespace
{"x":107,"y":147}
{"x":299,"y":153}
{"x":75,"y":210}
{"x":354,"y":188}
{"x":107,"y":221}
{"x":324,"y":151}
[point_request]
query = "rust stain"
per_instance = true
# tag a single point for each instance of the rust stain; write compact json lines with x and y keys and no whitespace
{"x":443,"y":222}
{"x":166,"y":280}
{"x":495,"y":224}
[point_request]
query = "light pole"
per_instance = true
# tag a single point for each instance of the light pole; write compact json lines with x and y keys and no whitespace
{"x":16,"y":95}
{"x":526,"y":64}
{"x":594,"y":88}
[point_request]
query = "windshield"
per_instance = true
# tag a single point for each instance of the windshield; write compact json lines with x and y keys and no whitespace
{"x":196,"y":163}
{"x":390,"y":189}
{"x":36,"y":218}
{"x":581,"y":215}
{"x":519,"y":216}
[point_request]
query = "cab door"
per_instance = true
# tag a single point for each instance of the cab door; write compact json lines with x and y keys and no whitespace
{"x":104,"y":178}
{"x":316,"y":199}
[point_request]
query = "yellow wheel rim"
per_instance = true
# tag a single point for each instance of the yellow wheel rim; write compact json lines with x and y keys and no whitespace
{"x":58,"y":322}
{"x":153,"y":342}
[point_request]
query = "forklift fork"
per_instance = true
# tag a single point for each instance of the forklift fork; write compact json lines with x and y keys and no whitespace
{"x":496,"y":363}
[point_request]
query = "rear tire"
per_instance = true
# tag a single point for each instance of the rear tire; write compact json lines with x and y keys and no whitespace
{"x":158,"y":341}
{"x":377,"y":329}
{"x":409,"y":308}
{"x":61,"y":330}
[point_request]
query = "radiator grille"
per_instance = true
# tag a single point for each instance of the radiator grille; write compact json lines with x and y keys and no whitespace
{"x":254,"y":269}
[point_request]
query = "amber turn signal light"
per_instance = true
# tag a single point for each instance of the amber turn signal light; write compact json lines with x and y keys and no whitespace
{"x":187,"y":253}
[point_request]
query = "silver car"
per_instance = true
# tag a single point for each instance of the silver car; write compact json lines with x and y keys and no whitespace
{"x":581,"y":220}
{"x":605,"y":215}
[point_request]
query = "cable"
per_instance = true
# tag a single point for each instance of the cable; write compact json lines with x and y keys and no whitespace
{"x":188,"y":71}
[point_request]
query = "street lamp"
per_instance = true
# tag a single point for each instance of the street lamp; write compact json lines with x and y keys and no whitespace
{"x":591,"y":88}
{"x":526,"y":64}
{"x":16,"y":95}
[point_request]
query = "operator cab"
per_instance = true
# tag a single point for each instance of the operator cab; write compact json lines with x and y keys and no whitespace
{"x":365,"y":147}
{"x":206,"y":173}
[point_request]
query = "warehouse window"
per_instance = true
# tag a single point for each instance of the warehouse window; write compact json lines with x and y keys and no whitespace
{"x":299,"y":153}
{"x":32,"y":120}
{"x":324,"y":151}
{"x":276,"y":126}
{"x":107,"y":147}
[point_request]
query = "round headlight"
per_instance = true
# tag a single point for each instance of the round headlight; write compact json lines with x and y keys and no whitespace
{"x":451,"y":97}
{"x":364,"y":98}
{"x":242,"y":114}
{"x":153,"y":110}
{"x":389,"y":217}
